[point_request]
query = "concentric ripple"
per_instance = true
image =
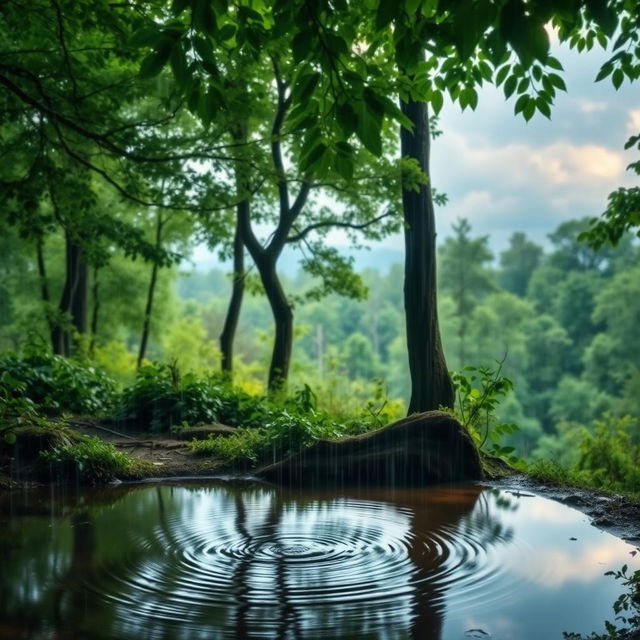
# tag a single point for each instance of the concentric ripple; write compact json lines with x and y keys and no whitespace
{"x":251,"y":562}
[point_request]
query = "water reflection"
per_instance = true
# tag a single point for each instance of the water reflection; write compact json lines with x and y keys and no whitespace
{"x":250,"y":562}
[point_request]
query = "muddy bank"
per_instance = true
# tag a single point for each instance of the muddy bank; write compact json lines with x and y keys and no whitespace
{"x":615,"y":514}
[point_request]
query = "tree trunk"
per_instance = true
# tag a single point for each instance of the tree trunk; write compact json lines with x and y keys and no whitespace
{"x":73,"y":301}
{"x":151,"y":291}
{"x":44,"y":282}
{"x":80,"y":299}
{"x":95,"y":310}
{"x":283,"y":320}
{"x":228,"y":334}
{"x":431,"y":385}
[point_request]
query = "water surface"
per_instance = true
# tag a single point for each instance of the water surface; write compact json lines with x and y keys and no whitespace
{"x":222,"y":561}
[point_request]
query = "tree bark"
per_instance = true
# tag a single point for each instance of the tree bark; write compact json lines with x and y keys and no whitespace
{"x":283,"y":321}
{"x":44,"y":282}
{"x":73,"y":301}
{"x":228,"y":334}
{"x":431,"y":385}
{"x":151,"y":291}
{"x":95,"y":310}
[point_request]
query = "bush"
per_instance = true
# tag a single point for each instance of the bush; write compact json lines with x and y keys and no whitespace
{"x":92,"y":461}
{"x":287,"y":428}
{"x":161,"y":398}
{"x":55,"y":384}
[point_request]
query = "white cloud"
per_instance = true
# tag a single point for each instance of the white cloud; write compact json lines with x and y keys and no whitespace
{"x":591,"y":106}
{"x":633,"y":125}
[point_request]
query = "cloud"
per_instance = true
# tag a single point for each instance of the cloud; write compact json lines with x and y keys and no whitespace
{"x":563,"y":163}
{"x":633,"y":125}
{"x":591,"y":106}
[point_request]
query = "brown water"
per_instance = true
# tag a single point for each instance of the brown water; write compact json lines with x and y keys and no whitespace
{"x":221,"y":561}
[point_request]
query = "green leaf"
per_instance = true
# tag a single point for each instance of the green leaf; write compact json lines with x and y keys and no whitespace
{"x":437,"y":100}
{"x":302,"y":45}
{"x":617,"y":78}
{"x":387,"y":11}
{"x":557,"y":81}
{"x":521,"y":102}
{"x":510,"y":86}
{"x":145,"y":37}
{"x":305,"y":86}
{"x":343,"y":160}
{"x":605,"y":70}
{"x":204,"y":18}
{"x":10,"y":437}
{"x":529,"y":109}
{"x":604,"y":15}
{"x":347,"y":118}
{"x":179,"y":66}
{"x":153,"y":64}
{"x":336,"y":43}
{"x":204,"y":48}
{"x":502,"y":74}
{"x":227,"y":32}
{"x":374,"y":102}
{"x":313,"y":156}
{"x":554,"y":63}
{"x":543,"y":107}
{"x":368,"y":128}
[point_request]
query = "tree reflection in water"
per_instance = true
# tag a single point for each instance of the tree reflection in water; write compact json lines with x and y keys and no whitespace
{"x":251,"y":562}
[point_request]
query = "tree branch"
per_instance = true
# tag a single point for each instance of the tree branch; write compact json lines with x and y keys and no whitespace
{"x":301,"y":235}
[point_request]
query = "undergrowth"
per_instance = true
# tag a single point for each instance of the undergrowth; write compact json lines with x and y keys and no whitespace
{"x":91,"y":461}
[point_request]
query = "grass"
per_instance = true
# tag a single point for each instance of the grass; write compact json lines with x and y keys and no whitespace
{"x":92,"y":461}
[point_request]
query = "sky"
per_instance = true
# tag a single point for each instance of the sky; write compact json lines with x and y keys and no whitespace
{"x":506,"y":175}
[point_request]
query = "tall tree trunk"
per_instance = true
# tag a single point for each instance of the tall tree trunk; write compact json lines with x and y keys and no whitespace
{"x":228,"y":334}
{"x":95,"y":309}
{"x":68,"y":308}
{"x":80,"y":299}
{"x":151,"y":291}
{"x":431,"y":385}
{"x":283,"y":321}
{"x":44,"y":282}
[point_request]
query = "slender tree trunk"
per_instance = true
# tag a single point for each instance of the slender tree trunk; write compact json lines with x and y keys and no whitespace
{"x":44,"y":282}
{"x":95,"y":310}
{"x":283,"y":321}
{"x":431,"y":385}
{"x":151,"y":290}
{"x":80,"y":299}
{"x":67,"y":308}
{"x":228,"y":334}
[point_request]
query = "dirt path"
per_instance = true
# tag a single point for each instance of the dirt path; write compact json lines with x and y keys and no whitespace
{"x":169,"y":457}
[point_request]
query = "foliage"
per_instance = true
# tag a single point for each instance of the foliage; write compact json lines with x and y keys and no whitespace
{"x":478,"y":393}
{"x":56,"y":384}
{"x":92,"y":461}
{"x":15,"y":406}
{"x":286,"y":427}
{"x":161,"y":398}
{"x":609,"y":456}
{"x":606,"y":456}
{"x":626,"y":608}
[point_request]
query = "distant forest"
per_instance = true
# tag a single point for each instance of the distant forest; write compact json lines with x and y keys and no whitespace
{"x":563,"y":322}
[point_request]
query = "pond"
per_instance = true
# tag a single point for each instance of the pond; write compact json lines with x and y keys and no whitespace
{"x":220,"y":560}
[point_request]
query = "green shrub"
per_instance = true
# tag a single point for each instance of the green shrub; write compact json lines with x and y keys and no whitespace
{"x":478,"y":393}
{"x":92,"y":461}
{"x":287,"y":428}
{"x":608,"y":455}
{"x":55,"y":384}
{"x":161,"y":398}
